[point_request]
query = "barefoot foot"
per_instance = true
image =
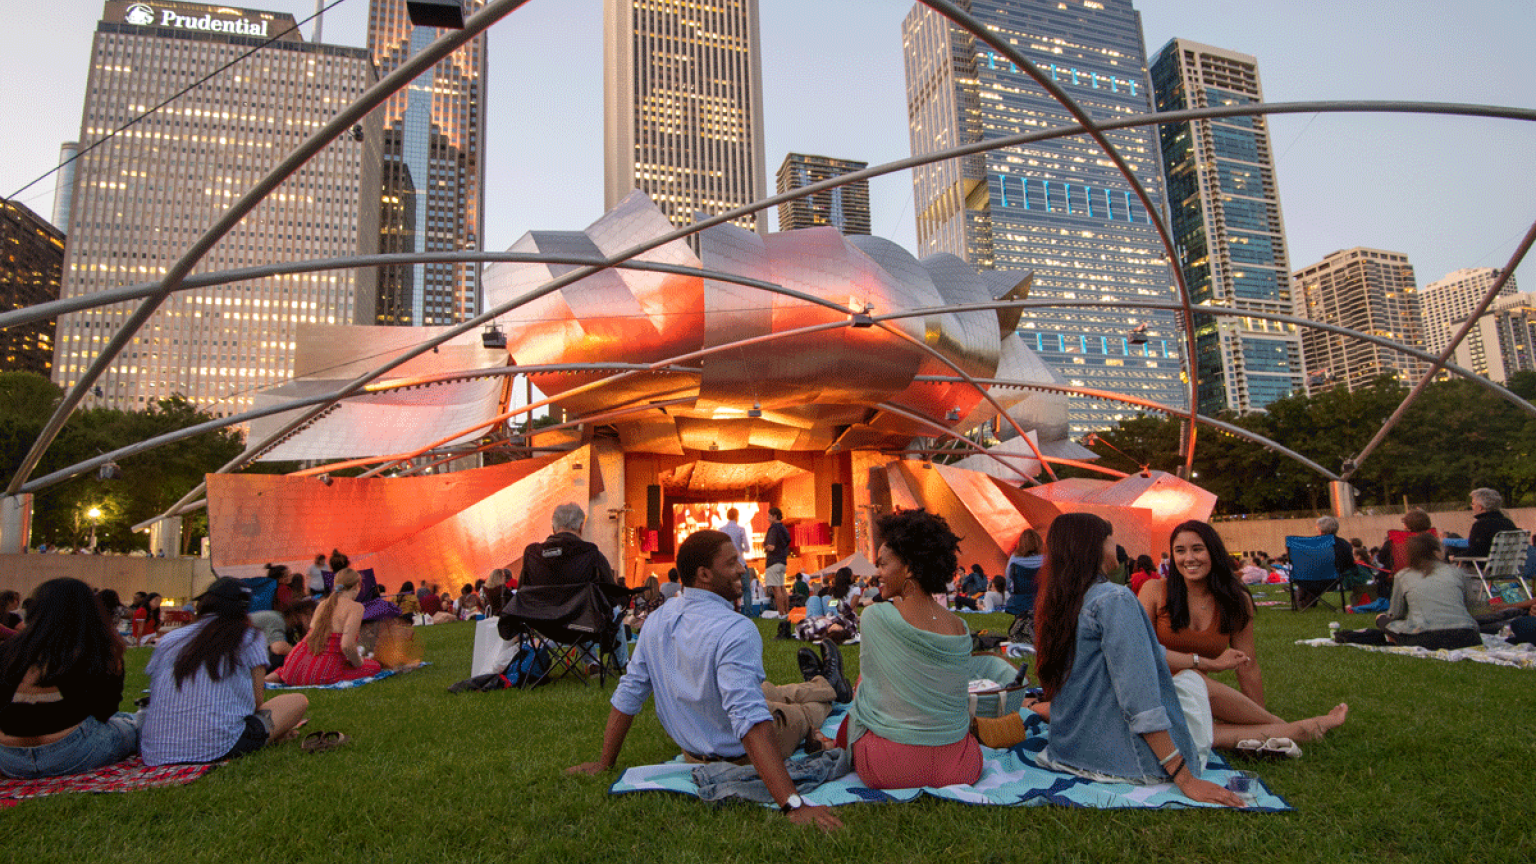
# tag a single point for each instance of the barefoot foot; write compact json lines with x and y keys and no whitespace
{"x":1317,"y":727}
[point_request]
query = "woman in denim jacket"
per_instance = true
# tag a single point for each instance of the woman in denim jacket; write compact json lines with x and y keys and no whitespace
{"x":1115,"y":713}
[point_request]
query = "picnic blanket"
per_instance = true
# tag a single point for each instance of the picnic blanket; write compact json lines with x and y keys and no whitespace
{"x":126,"y":776}
{"x":1009,"y":778}
{"x":1494,"y":650}
{"x":347,"y":685}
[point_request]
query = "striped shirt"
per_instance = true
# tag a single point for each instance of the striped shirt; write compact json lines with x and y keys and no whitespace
{"x":202,"y":719}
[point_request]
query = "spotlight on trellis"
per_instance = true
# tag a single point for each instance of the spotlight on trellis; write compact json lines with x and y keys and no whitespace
{"x":447,"y":14}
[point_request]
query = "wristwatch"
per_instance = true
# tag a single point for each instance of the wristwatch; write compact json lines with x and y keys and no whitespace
{"x":1194,"y":661}
{"x":791,"y":804}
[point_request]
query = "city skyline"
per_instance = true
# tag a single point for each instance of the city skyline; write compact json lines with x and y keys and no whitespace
{"x":1377,"y":196}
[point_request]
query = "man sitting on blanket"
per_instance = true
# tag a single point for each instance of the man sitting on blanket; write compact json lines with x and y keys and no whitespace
{"x":704,"y":663}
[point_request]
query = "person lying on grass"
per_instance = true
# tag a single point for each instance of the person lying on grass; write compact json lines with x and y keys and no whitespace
{"x":704,"y":664}
{"x":206,"y":687}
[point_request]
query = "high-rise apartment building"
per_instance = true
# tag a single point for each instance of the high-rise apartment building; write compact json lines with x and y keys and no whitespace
{"x":1368,"y":290}
{"x":1501,"y":342}
{"x":845,"y":207}
{"x":433,"y":172}
{"x":1059,"y":208}
{"x":141,"y":198}
{"x":683,"y":106}
{"x":1224,"y":209}
{"x":31,"y":267}
{"x":1451,"y":299}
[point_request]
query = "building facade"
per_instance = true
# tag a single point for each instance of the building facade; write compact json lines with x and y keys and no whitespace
{"x":433,"y":197}
{"x":845,"y":207}
{"x":1368,"y":290}
{"x":1501,"y":342}
{"x":142,"y":198}
{"x":31,"y":268}
{"x":1224,"y":210}
{"x":683,"y":106}
{"x":1057,"y":207}
{"x":1451,"y":299}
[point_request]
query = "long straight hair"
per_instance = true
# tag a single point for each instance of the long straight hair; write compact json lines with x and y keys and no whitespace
{"x":68,"y":633}
{"x":1232,"y":597}
{"x":1074,"y":555}
{"x":320,"y":626}
{"x":1423,"y":550}
{"x":216,"y":646}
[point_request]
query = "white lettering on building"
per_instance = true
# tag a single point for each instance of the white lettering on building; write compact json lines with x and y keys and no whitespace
{"x":238,"y":27}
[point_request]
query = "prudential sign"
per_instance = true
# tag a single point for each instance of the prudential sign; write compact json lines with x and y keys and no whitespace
{"x":143,"y":15}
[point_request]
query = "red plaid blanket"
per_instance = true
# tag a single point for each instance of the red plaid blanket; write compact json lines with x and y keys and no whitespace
{"x":125,"y":776}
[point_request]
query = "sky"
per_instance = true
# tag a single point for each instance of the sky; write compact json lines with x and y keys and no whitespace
{"x":1449,"y":192}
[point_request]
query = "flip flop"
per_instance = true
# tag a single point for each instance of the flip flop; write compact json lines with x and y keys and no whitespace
{"x":319,"y":742}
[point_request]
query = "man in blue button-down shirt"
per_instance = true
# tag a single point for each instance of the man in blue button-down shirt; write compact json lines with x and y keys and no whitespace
{"x":704,"y":664}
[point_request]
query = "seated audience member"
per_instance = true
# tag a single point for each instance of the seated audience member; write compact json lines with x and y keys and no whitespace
{"x":469,"y":608}
{"x":61,"y":679}
{"x":1488,"y":520}
{"x":284,"y":629}
{"x":671,"y":587}
{"x":1023,"y":570}
{"x":115,"y":609}
{"x":431,"y":602}
{"x":993,"y":600}
{"x":146,"y":620}
{"x":315,"y":580}
{"x":828,"y":614}
{"x":407,"y":600}
{"x":281,"y":595}
{"x":1203,"y":617}
{"x":703,"y":662}
{"x":466,"y":591}
{"x":206,"y":696}
{"x":800,"y":591}
{"x":1252,"y":573}
{"x":909,"y":724}
{"x":1429,"y":604}
{"x":1142,"y":572}
{"x":496,"y":592}
{"x":330,"y":653}
{"x":9,"y":602}
{"x":564,"y":558}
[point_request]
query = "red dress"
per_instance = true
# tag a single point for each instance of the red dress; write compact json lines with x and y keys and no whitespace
{"x":304,"y":668}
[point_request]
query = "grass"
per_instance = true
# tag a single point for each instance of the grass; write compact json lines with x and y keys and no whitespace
{"x":1434,"y":765}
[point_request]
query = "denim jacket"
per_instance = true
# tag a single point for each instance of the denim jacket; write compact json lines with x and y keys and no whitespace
{"x":1119,"y":688}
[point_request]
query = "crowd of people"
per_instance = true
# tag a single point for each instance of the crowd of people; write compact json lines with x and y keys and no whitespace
{"x":1125,"y":650}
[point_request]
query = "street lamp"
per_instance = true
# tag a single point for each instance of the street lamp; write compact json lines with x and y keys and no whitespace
{"x":93,"y":514}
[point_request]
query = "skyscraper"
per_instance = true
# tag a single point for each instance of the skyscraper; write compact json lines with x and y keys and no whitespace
{"x":1451,"y":299}
{"x":1225,"y":211}
{"x":31,"y":266}
{"x":1059,"y":207}
{"x":1502,"y":342}
{"x":845,"y":207}
{"x":434,"y":170}
{"x":1369,"y":290}
{"x":141,"y":198}
{"x":683,"y":106}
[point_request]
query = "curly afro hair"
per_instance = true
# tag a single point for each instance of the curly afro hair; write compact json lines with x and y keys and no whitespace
{"x":923,"y":542}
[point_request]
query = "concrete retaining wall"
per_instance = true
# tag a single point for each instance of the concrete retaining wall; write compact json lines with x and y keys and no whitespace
{"x":1268,"y":535}
{"x":178,"y":578}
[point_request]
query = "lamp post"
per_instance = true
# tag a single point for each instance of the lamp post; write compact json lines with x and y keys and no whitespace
{"x":93,"y":514}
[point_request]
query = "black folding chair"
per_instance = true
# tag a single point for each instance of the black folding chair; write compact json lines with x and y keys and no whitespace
{"x":576,"y":623}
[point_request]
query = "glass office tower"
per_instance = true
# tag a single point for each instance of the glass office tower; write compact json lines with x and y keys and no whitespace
{"x":1057,"y":207}
{"x":1228,"y":232}
{"x":434,"y":170}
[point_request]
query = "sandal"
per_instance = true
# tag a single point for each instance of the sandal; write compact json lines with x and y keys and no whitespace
{"x":1277,"y":748}
{"x":319,"y":742}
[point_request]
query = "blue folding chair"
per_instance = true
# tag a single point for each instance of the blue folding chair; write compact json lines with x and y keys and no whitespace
{"x":1312,"y":570}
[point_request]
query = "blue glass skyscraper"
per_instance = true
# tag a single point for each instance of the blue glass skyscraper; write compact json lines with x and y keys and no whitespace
{"x":1058,"y":207}
{"x":1225,"y":214}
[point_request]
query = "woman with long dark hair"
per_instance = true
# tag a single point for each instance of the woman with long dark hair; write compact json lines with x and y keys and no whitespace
{"x":61,"y":679}
{"x":206,"y":686}
{"x":330,"y":652}
{"x":1203,"y":616}
{"x":1429,"y":604}
{"x":1115,"y":712}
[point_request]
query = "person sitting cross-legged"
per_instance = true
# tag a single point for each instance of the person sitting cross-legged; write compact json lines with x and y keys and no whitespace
{"x":704,"y":665}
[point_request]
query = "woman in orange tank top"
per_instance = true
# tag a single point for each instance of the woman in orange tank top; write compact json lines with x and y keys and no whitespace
{"x":1203,"y":615}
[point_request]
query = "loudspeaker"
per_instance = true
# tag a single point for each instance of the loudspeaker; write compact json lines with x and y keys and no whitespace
{"x":837,"y":505}
{"x":653,"y":506}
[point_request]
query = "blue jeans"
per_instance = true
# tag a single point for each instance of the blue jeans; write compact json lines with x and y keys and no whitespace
{"x":815,"y":607}
{"x":93,"y":744}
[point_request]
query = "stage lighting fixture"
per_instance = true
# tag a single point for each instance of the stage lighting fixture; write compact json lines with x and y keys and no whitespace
{"x":447,"y":14}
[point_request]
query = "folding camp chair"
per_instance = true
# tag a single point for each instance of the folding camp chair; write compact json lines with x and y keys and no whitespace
{"x":575,"y":622}
{"x":1505,"y":562}
{"x":1313,"y":571}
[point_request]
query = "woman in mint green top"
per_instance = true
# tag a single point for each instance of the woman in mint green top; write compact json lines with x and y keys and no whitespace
{"x":909,"y":722}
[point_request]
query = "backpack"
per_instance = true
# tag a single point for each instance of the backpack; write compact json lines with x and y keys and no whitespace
{"x":529,"y":665}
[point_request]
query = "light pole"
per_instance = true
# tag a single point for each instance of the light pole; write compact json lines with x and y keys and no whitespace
{"x":93,"y":514}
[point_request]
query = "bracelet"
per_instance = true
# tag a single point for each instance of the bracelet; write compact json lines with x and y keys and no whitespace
{"x":1169,"y":758}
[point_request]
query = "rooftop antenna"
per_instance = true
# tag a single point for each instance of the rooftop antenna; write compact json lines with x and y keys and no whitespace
{"x":319,"y":20}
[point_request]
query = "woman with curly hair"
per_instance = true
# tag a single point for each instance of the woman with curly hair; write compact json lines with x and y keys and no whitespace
{"x":61,"y":679}
{"x":909,"y":722}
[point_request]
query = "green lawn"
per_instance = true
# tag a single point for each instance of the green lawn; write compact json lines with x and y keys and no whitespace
{"x":1427,"y":769}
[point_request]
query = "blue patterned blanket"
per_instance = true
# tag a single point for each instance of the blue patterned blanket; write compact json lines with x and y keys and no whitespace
{"x":1009,"y":778}
{"x":347,"y":685}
